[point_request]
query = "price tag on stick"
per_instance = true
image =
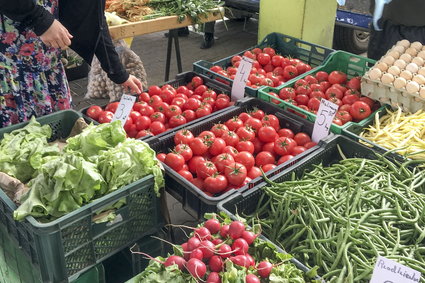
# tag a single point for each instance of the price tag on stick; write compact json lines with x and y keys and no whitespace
{"x":325,"y":116}
{"x":239,"y":83}
{"x":390,"y":271}
{"x":124,"y":108}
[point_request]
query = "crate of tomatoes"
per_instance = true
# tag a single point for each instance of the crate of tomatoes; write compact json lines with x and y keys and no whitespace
{"x":188,"y":98}
{"x":277,"y":59}
{"x":338,"y":81}
{"x":208,"y":161}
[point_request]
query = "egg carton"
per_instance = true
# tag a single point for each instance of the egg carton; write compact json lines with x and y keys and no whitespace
{"x":388,"y":94}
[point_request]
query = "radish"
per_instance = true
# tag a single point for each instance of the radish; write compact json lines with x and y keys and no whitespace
{"x":214,"y":277}
{"x":249,"y":236}
{"x":186,"y":251}
{"x":196,"y":267}
{"x":203,"y":233}
{"x":217,"y":241}
{"x":207,"y":248}
{"x":213,"y":225}
{"x":224,"y":231}
{"x":216,"y":263}
{"x":193,"y":243}
{"x":197,"y":253}
{"x":251,"y":260}
{"x":264,"y":268}
{"x":252,"y":278}
{"x":236,"y":229}
{"x":225,"y":251}
{"x":240,"y":247}
{"x":240,"y":260}
{"x":175,"y":259}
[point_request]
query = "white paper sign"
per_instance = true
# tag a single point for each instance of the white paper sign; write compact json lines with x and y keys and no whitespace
{"x":325,"y":116}
{"x":124,"y":108}
{"x":239,"y":83}
{"x":389,"y":271}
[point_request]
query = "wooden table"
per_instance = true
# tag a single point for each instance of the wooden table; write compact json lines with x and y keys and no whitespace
{"x":170,"y":23}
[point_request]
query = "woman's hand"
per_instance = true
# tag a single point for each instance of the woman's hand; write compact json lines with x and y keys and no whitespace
{"x":133,"y":84}
{"x":56,"y":36}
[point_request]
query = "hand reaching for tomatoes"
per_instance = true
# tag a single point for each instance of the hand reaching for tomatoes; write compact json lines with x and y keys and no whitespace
{"x":133,"y":85}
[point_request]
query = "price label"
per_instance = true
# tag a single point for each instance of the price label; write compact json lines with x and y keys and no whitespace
{"x":239,"y":83}
{"x":325,"y":116}
{"x":124,"y":108}
{"x":390,"y":271}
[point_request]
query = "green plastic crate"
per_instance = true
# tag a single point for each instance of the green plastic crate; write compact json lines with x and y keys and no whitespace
{"x":67,"y":247}
{"x":285,"y":45}
{"x":352,"y":65}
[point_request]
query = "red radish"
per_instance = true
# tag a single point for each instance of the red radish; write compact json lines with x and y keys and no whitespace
{"x":216,"y":263}
{"x":203,"y":233}
{"x":197,"y":253}
{"x":224,"y":231}
{"x":186,"y":251}
{"x":217,"y":241}
{"x":225,"y":250}
{"x":249,"y":236}
{"x":236,"y":229}
{"x":240,"y":260}
{"x":207,"y":248}
{"x":175,"y":259}
{"x":193,"y":243}
{"x":264,"y":269}
{"x":252,"y":278}
{"x":214,"y":277}
{"x":251,"y":260}
{"x":240,"y":247}
{"x":196,"y":267}
{"x":213,"y":225}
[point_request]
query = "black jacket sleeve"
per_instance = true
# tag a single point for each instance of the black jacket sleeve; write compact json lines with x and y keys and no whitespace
{"x":85,"y":20}
{"x":28,"y":14}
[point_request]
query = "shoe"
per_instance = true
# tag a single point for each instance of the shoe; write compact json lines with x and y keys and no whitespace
{"x":208,"y":41}
{"x":182,"y":32}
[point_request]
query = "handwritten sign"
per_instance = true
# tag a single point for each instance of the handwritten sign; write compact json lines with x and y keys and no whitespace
{"x":124,"y":108}
{"x":390,"y":271}
{"x":239,"y":83}
{"x":325,"y":116}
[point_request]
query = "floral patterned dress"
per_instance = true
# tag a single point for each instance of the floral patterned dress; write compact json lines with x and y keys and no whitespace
{"x":32,"y":77}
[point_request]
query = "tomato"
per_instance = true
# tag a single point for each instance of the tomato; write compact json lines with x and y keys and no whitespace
{"x":337,"y":77}
{"x":268,"y":167}
{"x":350,"y":99}
{"x":245,"y":146}
{"x":112,"y":107}
{"x":183,"y":136}
{"x":190,"y":115}
{"x":267,"y":134}
{"x":222,"y":160}
{"x":198,"y":182}
{"x":184,"y":150}
{"x":284,"y":158}
{"x":263,"y":158}
{"x":105,"y":117}
{"x":161,"y":107}
{"x":313,"y":103}
{"x":167,"y":95}
{"x":131,"y":130}
{"x":142,"y":123}
{"x":284,"y":145}
{"x":337,"y":121}
{"x":290,"y":72}
{"x":216,"y":68}
{"x":257,"y":113}
{"x":231,"y":138}
{"x":194,"y":163}
{"x":244,"y":116}
{"x":235,"y":173}
{"x":302,"y":99}
{"x":254,"y":123}
{"x":94,"y":112}
{"x":175,"y":161}
{"x":317,"y":94}
{"x":209,"y":93}
{"x":182,"y":89}
{"x":336,"y":100}
{"x":245,"y":133}
{"x":198,"y":146}
{"x":311,"y":80}
{"x":267,"y":82}
{"x":325,"y":85}
{"x":234,"y":123}
{"x":302,"y":138}
{"x":334,"y":92}
{"x":360,"y":110}
{"x":142,"y":134}
{"x":354,"y":83}
{"x":300,"y":82}
{"x":161,"y":156}
{"x":298,"y":150}
{"x":197,"y":81}
{"x":215,"y":184}
{"x":154,"y":100}
{"x":221,"y":103}
{"x":277,"y":60}
{"x":230,"y":150}
{"x":219,"y":129}
{"x":258,"y":145}
{"x":157,"y":127}
{"x":171,"y":111}
{"x":254,"y":172}
{"x":144,"y":96}
{"x":186,"y":174}
{"x":368,"y":101}
{"x":203,"y":111}
{"x":176,"y":121}
{"x":235,"y":59}
{"x":344,"y":116}
{"x":271,"y":120}
{"x":256,"y":51}
{"x":345,"y":107}
{"x":192,"y":104}
{"x":321,"y":76}
{"x":310,"y":144}
{"x":249,"y":54}
{"x":217,"y":146}
{"x":270,"y":51}
{"x":154,"y":90}
{"x":205,"y":169}
{"x":207,"y":136}
{"x":246,"y":158}
{"x":146,"y":110}
{"x":263,"y":58}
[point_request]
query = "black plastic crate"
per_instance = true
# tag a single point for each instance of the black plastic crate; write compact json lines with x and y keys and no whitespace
{"x":195,"y":201}
{"x":181,"y":80}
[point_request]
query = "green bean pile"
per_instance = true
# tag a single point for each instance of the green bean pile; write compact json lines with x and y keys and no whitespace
{"x":342,"y":217}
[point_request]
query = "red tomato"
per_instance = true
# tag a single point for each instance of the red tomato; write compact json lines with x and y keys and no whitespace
{"x":271,"y":120}
{"x":157,"y":127}
{"x":360,"y":110}
{"x":344,"y":116}
{"x":313,"y":103}
{"x":337,"y":77}
{"x":316,"y":87}
{"x":221,"y":103}
{"x":258,"y":114}
{"x":205,"y":169}
{"x":234,"y":123}
{"x":230,"y":150}
{"x":186,"y":174}
{"x":345,"y":107}
{"x":368,"y":101}
{"x":263,"y":58}
{"x":284,"y":158}
{"x":311,"y":80}
{"x":144,"y":96}
{"x":198,"y":146}
{"x":219,"y":129}
{"x":207,"y":136}
{"x":303,"y":89}
{"x":158,"y":116}
{"x":300,"y":82}
{"x":263,"y":158}
{"x":337,"y":121}
{"x":354,"y":83}
{"x":184,"y":150}
{"x":258,"y":145}
{"x":298,"y":150}
{"x":161,"y":156}
{"x":198,"y":182}
{"x":235,"y":173}
{"x":254,"y":172}
{"x":302,"y":99}
{"x":112,"y":107}
{"x":231,"y":138}
{"x":192,"y":104}
{"x":268,"y":147}
{"x":197,"y":81}
{"x":176,"y":121}
{"x":203,"y":111}
{"x":245,"y":133}
{"x":310,"y":145}
{"x":190,"y":115}
{"x":321,"y":76}
{"x":175,"y":161}
{"x":215,"y":184}
{"x":236,"y":59}
{"x":105,"y":117}
{"x":334,"y":92}
{"x":285,"y":132}
{"x":142,"y":134}
{"x":284,"y":145}
{"x":254,"y":123}
{"x":317,"y":94}
{"x":336,"y":100}
{"x":350,"y":99}
{"x":246,"y":158}
{"x":244,"y":116}
{"x":325,"y":85}
{"x":290,"y":72}
{"x":245,"y":146}
{"x":94,"y":112}
{"x":194,"y":163}
{"x":173,"y":110}
{"x":216,"y":69}
{"x":142,"y":123}
{"x":277,"y":60}
{"x":270,"y":51}
{"x":217,"y":146}
{"x":267,"y":134}
{"x":302,"y":138}
{"x":183,"y":136}
{"x":268,"y":167}
{"x":154,"y":90}
{"x":222,"y":160}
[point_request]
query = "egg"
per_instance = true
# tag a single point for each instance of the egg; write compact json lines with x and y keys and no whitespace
{"x":417,"y":45}
{"x":412,"y":67}
{"x":399,"y":49}
{"x":405,"y":43}
{"x":422,"y":92}
{"x":418,"y":61}
{"x":375,"y":74}
{"x":382,"y":66}
{"x":406,"y":74}
{"x":388,"y":60}
{"x":412,"y":87}
{"x":394,"y":70}
{"x":387,"y":78}
{"x":400,"y":82}
{"x":400,"y":63}
{"x":419,"y":79}
{"x":421,"y":54}
{"x":411,"y":51}
{"x":422,"y":71}
{"x":406,"y":57}
{"x":393,"y":53}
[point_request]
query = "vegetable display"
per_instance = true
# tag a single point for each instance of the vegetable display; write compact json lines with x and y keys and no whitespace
{"x":399,"y":131}
{"x":224,"y":251}
{"x":163,"y":108}
{"x":231,"y":154}
{"x":343,"y":216}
